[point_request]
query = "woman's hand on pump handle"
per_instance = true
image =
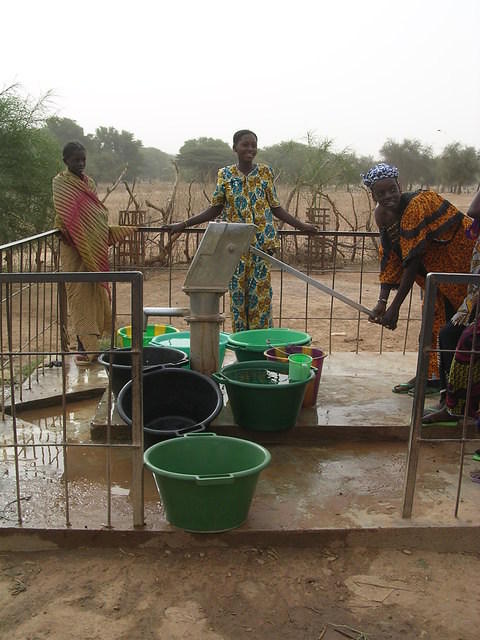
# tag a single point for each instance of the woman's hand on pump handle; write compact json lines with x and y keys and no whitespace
{"x":378,"y":312}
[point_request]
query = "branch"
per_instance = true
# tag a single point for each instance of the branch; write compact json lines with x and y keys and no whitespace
{"x":115,"y":184}
{"x":189,"y":203}
{"x":132,"y":197}
{"x":171,"y":200}
{"x":154,"y":206}
{"x":167,"y":211}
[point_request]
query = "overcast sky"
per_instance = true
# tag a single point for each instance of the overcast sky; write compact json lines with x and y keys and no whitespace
{"x":357,"y":72}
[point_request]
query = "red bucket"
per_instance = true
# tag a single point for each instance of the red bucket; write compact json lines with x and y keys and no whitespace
{"x":280,"y":354}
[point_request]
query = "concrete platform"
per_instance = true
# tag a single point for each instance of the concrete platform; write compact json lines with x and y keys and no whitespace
{"x":341,"y":492}
{"x":337,"y":476}
{"x":355,"y":402}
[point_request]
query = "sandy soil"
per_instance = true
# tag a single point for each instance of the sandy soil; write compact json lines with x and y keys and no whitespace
{"x":232,"y":594}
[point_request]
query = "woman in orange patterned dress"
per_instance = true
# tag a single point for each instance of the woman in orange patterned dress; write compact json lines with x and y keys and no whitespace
{"x":420,"y":233}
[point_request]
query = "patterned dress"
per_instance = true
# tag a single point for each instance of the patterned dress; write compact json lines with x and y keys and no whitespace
{"x":250,"y":199}
{"x":86,"y":236}
{"x":434,"y":229}
{"x":459,"y":373}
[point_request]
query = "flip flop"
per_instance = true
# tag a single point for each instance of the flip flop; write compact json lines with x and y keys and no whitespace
{"x":429,"y":391}
{"x":438,"y":423}
{"x":403,"y":387}
{"x":476,"y":455}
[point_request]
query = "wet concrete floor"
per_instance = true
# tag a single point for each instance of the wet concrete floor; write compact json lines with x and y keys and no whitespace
{"x":313,"y":483}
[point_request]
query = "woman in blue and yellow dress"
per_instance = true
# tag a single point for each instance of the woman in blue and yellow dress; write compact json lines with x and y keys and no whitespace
{"x":245,"y":192}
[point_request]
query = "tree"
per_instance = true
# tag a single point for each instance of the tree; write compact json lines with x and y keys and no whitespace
{"x":287,"y":158}
{"x":157,"y":165}
{"x":415,"y":162}
{"x":110,"y":150}
{"x":200,"y":159}
{"x":29,"y":159}
{"x":65,"y":130}
{"x":459,"y":166}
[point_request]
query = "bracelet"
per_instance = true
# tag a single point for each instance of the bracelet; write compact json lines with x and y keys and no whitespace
{"x":384,"y":300}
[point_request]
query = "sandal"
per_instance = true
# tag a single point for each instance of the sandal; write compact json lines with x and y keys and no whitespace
{"x":439,"y":418}
{"x":476,"y":455}
{"x":404,"y":387}
{"x":429,"y":391}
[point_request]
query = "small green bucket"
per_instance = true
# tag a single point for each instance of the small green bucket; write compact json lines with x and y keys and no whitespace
{"x":124,"y":334}
{"x":206,"y":482}
{"x":261,"y":396}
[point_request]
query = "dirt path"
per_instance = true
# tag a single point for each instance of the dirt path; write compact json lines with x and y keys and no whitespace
{"x":232,"y":594}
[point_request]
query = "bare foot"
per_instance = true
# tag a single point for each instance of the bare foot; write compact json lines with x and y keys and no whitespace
{"x":441,"y":415}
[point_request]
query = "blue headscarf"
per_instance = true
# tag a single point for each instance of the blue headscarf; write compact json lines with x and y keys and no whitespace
{"x":379,"y":172}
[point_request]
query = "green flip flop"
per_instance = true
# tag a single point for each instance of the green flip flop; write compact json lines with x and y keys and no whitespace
{"x":429,"y":391}
{"x":441,"y":423}
{"x":403,"y":387}
{"x":476,"y":455}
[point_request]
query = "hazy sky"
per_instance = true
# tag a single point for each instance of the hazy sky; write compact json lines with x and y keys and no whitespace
{"x":358,"y":72}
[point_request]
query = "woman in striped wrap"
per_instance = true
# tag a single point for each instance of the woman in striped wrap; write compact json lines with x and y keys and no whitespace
{"x":86,"y":236}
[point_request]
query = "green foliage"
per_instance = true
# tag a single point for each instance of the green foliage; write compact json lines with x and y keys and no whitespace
{"x":315,"y":164}
{"x":65,"y":130}
{"x":29,"y":159}
{"x":459,"y":166}
{"x":109,"y":151}
{"x":414,"y":161}
{"x":288,"y":159}
{"x":157,"y":165}
{"x":200,"y":159}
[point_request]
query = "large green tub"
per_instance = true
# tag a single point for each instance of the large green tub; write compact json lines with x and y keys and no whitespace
{"x":206,"y":482}
{"x":250,"y":345}
{"x":261,"y":396}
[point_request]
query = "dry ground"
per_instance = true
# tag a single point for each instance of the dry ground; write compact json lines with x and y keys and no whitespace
{"x":235,"y":594}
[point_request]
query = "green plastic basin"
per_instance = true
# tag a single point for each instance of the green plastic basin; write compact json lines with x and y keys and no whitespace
{"x":206,"y":482}
{"x":181,"y":340}
{"x":250,"y":345}
{"x":261,"y":396}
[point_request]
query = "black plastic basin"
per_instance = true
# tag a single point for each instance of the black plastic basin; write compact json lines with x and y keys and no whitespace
{"x":120,"y":370}
{"x":175,"y":402}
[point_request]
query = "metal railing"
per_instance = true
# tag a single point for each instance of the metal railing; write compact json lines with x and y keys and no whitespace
{"x":33,"y":318}
{"x":425,"y":349}
{"x":10,"y":284}
{"x":36,"y":318}
{"x":349,"y":258}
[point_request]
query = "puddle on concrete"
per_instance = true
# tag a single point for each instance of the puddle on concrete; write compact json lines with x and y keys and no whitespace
{"x":42,"y":463}
{"x":352,"y":484}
